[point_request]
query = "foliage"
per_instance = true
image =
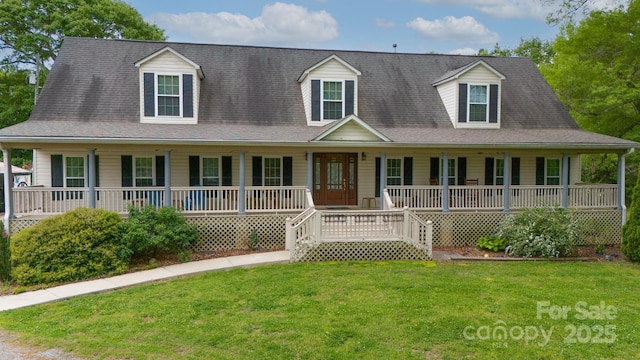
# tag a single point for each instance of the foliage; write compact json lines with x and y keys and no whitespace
{"x":539,"y":51}
{"x":5,"y":255}
{"x":79,"y":244}
{"x":35,"y":29}
{"x":254,"y":239}
{"x":148,"y":231}
{"x":16,"y":103}
{"x":349,"y":310}
{"x":492,"y":243}
{"x":631,"y":229}
{"x":545,"y":232}
{"x":566,"y":11}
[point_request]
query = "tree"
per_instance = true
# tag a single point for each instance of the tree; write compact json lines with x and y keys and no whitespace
{"x":631,"y":229}
{"x":538,"y":50}
{"x":16,"y":103}
{"x":568,"y":10}
{"x":31,"y":31}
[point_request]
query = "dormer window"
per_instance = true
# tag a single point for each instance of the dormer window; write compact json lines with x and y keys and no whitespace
{"x":168,"y":95}
{"x":332,"y":100}
{"x":478,"y":103}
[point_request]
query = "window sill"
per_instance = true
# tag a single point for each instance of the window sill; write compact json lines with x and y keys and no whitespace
{"x":174,"y":120}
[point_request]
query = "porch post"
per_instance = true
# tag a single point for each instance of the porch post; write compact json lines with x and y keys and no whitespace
{"x":383,"y":177}
{"x":241,"y":203}
{"x":310,"y":170}
{"x":445,"y":182}
{"x":565,"y":179}
{"x":507,"y":182}
{"x":8,"y":189}
{"x":92,"y":178}
{"x":621,"y":185}
{"x":167,"y":178}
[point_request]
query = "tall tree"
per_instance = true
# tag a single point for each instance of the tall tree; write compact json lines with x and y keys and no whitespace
{"x":31,"y":31}
{"x":567,"y":11}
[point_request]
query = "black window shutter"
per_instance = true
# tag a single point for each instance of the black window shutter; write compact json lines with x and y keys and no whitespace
{"x":462,"y":170}
{"x":127,"y":170}
{"x":539,"y":171}
{"x":227,"y":171}
{"x":57,"y":171}
{"x":349,"y":93}
{"x":149,"y":94}
{"x":434,"y":172}
{"x":488,"y":171}
{"x":377,"y":177}
{"x":194,"y":170}
{"x":159,"y":170}
{"x":187,"y":95}
{"x":462,"y":103}
{"x":315,"y":100}
{"x":287,"y":171}
{"x":408,"y":171}
{"x":515,"y":171}
{"x":493,"y":104}
{"x":257,"y":171}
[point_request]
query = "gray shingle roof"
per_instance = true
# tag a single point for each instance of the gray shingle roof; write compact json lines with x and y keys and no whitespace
{"x":252,"y":94}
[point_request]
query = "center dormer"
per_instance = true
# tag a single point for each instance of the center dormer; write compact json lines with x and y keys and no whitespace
{"x":329,"y":90}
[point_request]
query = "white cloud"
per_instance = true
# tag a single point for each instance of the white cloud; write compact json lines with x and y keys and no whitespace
{"x":464,"y":51}
{"x":279,"y":24}
{"x":506,"y":9}
{"x":465,"y":30}
{"x":385,"y":24}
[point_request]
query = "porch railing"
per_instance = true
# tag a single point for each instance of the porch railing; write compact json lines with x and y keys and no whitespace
{"x":478,"y":197}
{"x":47,"y":201}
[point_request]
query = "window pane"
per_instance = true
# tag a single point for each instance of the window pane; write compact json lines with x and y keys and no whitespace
{"x":210,"y":172}
{"x":168,"y":95}
{"x":272,"y":172}
{"x":553,"y":172}
{"x":75,"y":171}
{"x":168,"y":106}
{"x":499,"y":171}
{"x":394,"y":172}
{"x":144,"y":171}
{"x":332,"y":100}
{"x":478,"y":94}
{"x":168,"y":85}
{"x":333,"y":90}
{"x":477,"y":112}
{"x":452,"y":171}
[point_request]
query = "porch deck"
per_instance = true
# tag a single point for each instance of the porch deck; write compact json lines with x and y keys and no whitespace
{"x":294,"y":199}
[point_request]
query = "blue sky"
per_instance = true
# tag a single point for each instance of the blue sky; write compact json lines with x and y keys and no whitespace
{"x":416,"y":26}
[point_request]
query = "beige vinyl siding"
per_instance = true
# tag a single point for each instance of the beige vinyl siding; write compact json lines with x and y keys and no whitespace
{"x":169,"y":63}
{"x":305,"y":87}
{"x":449,"y":95}
{"x":479,"y":74}
{"x":351,"y":131}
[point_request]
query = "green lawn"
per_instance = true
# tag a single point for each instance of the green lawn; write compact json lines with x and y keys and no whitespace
{"x":381,"y":310}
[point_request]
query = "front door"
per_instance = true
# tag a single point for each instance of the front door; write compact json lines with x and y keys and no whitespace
{"x":335,"y":179}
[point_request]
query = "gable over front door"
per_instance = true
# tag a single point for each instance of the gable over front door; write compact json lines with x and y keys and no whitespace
{"x":335,"y":179}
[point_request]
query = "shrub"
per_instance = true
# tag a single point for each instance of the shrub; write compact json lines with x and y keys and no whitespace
{"x":79,"y":244}
{"x":492,"y":243}
{"x":5,"y":255}
{"x":631,"y":229}
{"x":147,"y":232}
{"x":545,"y":232}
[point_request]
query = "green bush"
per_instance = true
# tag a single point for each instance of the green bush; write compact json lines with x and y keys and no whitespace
{"x":5,"y":255}
{"x":79,"y":244}
{"x":544,"y":232}
{"x":492,"y":243}
{"x":631,"y":229}
{"x":147,"y":232}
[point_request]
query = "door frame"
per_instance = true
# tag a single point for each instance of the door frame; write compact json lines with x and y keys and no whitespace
{"x":350,"y":175}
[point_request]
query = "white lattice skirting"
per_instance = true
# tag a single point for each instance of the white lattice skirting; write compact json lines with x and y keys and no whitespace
{"x":219,"y":232}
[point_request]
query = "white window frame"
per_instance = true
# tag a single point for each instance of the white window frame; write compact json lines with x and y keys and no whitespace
{"x":486,"y":104}
{"x":84,"y":172}
{"x":546,"y":171}
{"x":400,"y":177}
{"x":202,"y":177}
{"x":135,"y":170}
{"x":322,"y":99}
{"x":451,"y":176}
{"x":496,"y":176}
{"x":264,"y":170}
{"x":157,"y":95}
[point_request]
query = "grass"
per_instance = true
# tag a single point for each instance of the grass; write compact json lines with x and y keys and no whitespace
{"x":364,"y":310}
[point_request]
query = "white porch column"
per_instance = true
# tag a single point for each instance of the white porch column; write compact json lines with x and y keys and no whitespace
{"x":445,"y":182}
{"x":310,"y":170}
{"x":383,"y":178}
{"x":167,"y":178}
{"x":621,"y":185}
{"x":92,"y":178}
{"x":242,"y":211}
{"x":565,"y":179}
{"x":507,"y":182}
{"x":8,"y":189}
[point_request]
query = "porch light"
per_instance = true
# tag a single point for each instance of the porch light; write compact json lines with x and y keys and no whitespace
{"x":364,"y":156}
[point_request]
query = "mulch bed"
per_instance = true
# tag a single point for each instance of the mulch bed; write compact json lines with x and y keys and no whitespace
{"x":611,"y":253}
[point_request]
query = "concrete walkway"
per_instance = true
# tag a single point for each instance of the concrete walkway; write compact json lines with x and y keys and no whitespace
{"x":9,"y":302}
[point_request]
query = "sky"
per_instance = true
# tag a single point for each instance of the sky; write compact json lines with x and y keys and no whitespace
{"x":415,"y":26}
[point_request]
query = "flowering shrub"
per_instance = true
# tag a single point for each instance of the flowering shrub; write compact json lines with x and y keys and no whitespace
{"x":544,"y":232}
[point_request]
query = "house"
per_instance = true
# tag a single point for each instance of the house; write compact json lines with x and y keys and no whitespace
{"x":242,"y":137}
